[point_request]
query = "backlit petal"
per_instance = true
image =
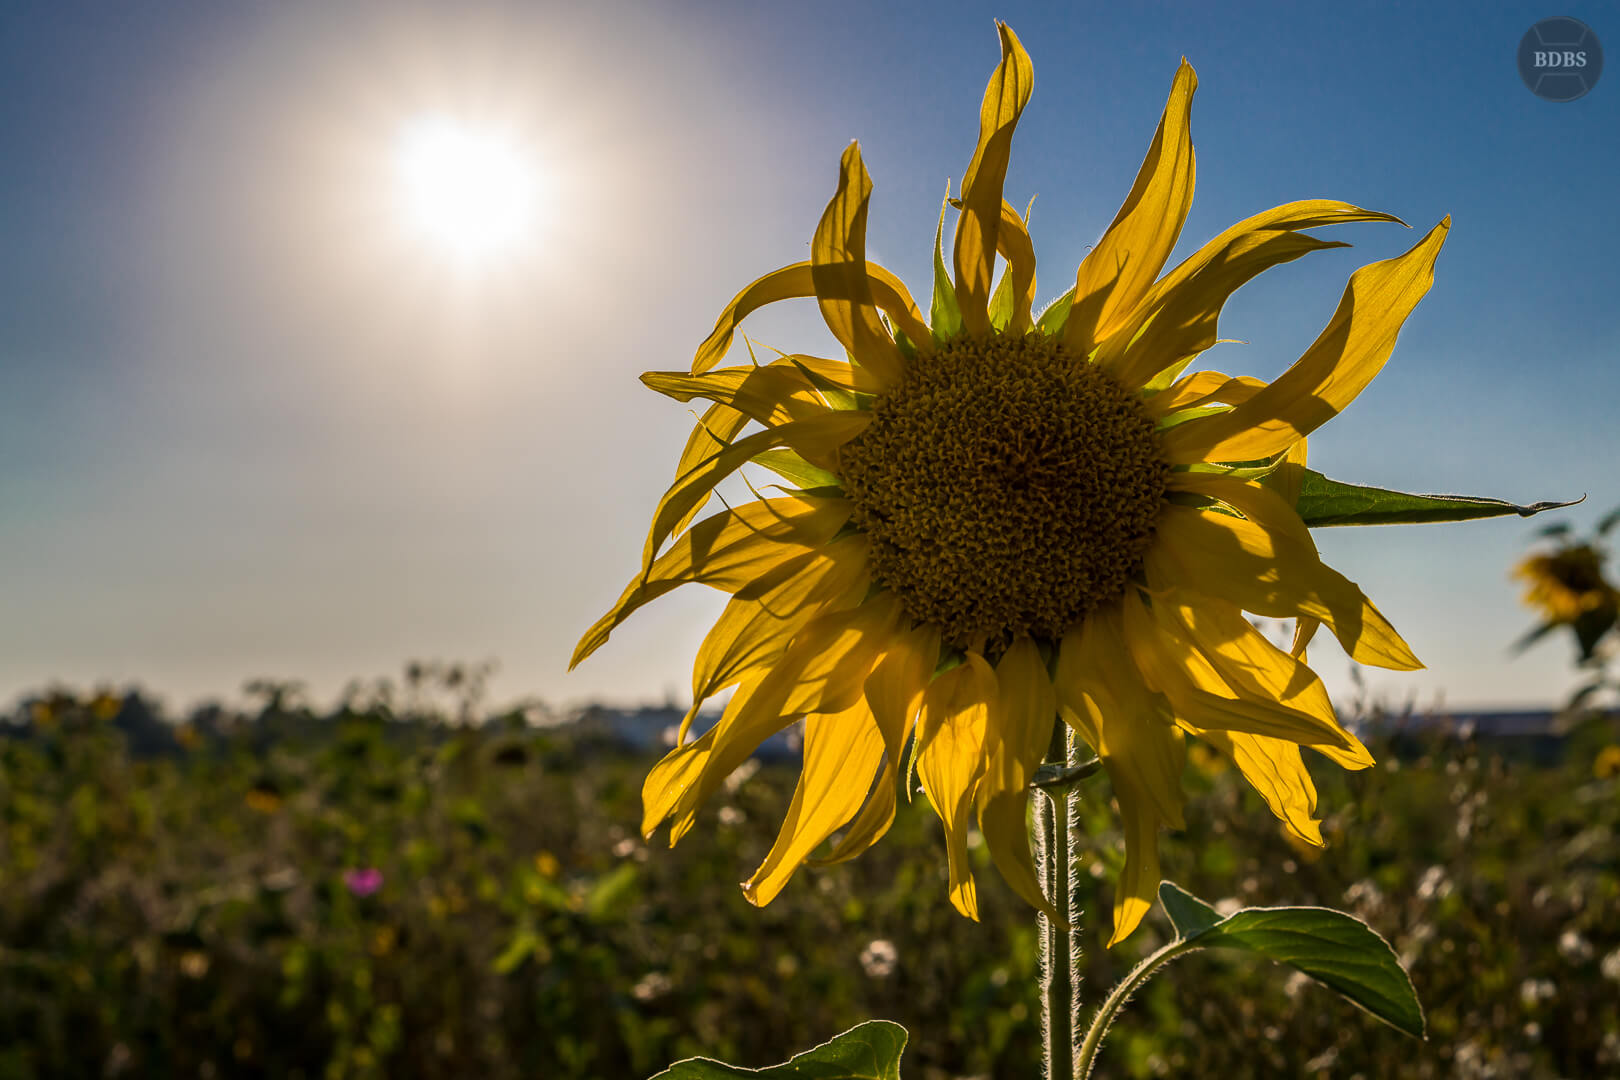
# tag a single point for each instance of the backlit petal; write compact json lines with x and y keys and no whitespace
{"x":1266,"y":562}
{"x":978,"y":227}
{"x":726,"y":551}
{"x":838,"y":266}
{"x":1017,"y":732}
{"x":842,"y":750}
{"x":950,"y":762}
{"x":1344,"y":358}
{"x":1117,"y":273}
{"x":894,"y":692}
{"x":762,"y":618}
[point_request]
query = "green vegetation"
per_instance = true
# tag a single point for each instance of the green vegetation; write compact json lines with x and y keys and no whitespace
{"x":207,"y":911}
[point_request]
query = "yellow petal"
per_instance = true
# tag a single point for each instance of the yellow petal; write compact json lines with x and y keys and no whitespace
{"x":1103,"y":695}
{"x":712,"y":434}
{"x":1176,"y":319}
{"x":1018,"y":730}
{"x":759,"y":622}
{"x":838,"y":265}
{"x":893,"y":692}
{"x":1199,"y":389}
{"x":977,"y":229}
{"x":796,"y":281}
{"x":1200,"y":690}
{"x":1266,"y":562}
{"x":1274,"y":769}
{"x":1098,"y":684}
{"x":1255,"y":668}
{"x":1117,"y":273}
{"x":841,"y":752}
{"x":1344,"y":358}
{"x":817,"y":438}
{"x":771,"y":395}
{"x":1015,"y":295}
{"x":726,"y":551}
{"x":950,"y":762}
{"x":823,"y":670}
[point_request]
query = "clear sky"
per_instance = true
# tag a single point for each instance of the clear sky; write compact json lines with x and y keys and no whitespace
{"x":252,"y":423}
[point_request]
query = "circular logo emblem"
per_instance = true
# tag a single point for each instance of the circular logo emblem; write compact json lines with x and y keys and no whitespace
{"x":1560,"y":59}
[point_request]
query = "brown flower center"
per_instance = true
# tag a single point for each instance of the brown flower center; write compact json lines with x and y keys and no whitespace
{"x":1007,"y":487}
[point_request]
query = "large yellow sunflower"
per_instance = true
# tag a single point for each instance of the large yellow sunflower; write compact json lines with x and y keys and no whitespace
{"x":1001,"y":520}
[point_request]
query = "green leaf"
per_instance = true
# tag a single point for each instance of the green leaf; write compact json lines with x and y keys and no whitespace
{"x":790,"y":466}
{"x":869,"y":1051}
{"x":1610,"y":520}
{"x":1533,"y":636}
{"x":1337,"y":950}
{"x":1055,"y":315}
{"x":1329,"y":502}
{"x":944,"y":314}
{"x":1190,"y":915}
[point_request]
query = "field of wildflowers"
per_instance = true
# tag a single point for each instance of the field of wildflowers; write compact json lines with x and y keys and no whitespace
{"x":381,"y":890}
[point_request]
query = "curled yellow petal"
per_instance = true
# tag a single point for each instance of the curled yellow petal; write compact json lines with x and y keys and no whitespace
{"x":950,"y":762}
{"x":1176,"y":319}
{"x":823,"y":670}
{"x":1266,"y":562}
{"x":1274,"y":768}
{"x":1015,"y":294}
{"x":1018,"y":730}
{"x":762,"y":618}
{"x":1344,"y":358}
{"x":842,"y":750}
{"x":1119,"y":270}
{"x":838,"y":268}
{"x":1201,"y":687}
{"x":894,"y":692}
{"x":1103,"y":696}
{"x":726,"y":551}
{"x":977,"y":229}
{"x":796,"y":282}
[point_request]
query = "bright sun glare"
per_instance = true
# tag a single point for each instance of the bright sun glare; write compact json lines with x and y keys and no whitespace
{"x":471,"y":192}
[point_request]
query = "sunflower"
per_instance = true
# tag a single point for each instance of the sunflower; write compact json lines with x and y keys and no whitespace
{"x":998,"y":520}
{"x":1567,"y":584}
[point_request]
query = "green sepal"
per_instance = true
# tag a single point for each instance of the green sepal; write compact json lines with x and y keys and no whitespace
{"x":1324,"y":502}
{"x":1337,"y":950}
{"x":834,"y":395}
{"x":869,"y":1051}
{"x":1001,"y":303}
{"x":944,"y":313}
{"x":1055,"y":315}
{"x":791,"y":467}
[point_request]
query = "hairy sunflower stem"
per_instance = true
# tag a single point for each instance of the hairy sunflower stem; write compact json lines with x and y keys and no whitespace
{"x":1059,"y":952}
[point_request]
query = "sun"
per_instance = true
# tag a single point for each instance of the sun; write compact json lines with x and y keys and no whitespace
{"x":470,"y":192}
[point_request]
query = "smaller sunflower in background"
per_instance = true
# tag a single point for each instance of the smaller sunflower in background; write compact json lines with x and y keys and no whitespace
{"x":1566,"y":584}
{"x":1001,"y":521}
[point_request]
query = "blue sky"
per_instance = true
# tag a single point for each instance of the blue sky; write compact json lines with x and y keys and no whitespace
{"x":248,"y":429}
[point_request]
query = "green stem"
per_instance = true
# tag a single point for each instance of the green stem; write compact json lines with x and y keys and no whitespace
{"x":1116,"y":999}
{"x":1060,"y":1003}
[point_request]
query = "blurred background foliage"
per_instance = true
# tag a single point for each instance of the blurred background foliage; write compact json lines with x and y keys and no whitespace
{"x":389,"y":890}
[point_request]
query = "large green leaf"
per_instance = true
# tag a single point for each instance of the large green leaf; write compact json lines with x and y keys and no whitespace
{"x":869,"y":1051}
{"x":1330,"y":502}
{"x":1338,"y":950}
